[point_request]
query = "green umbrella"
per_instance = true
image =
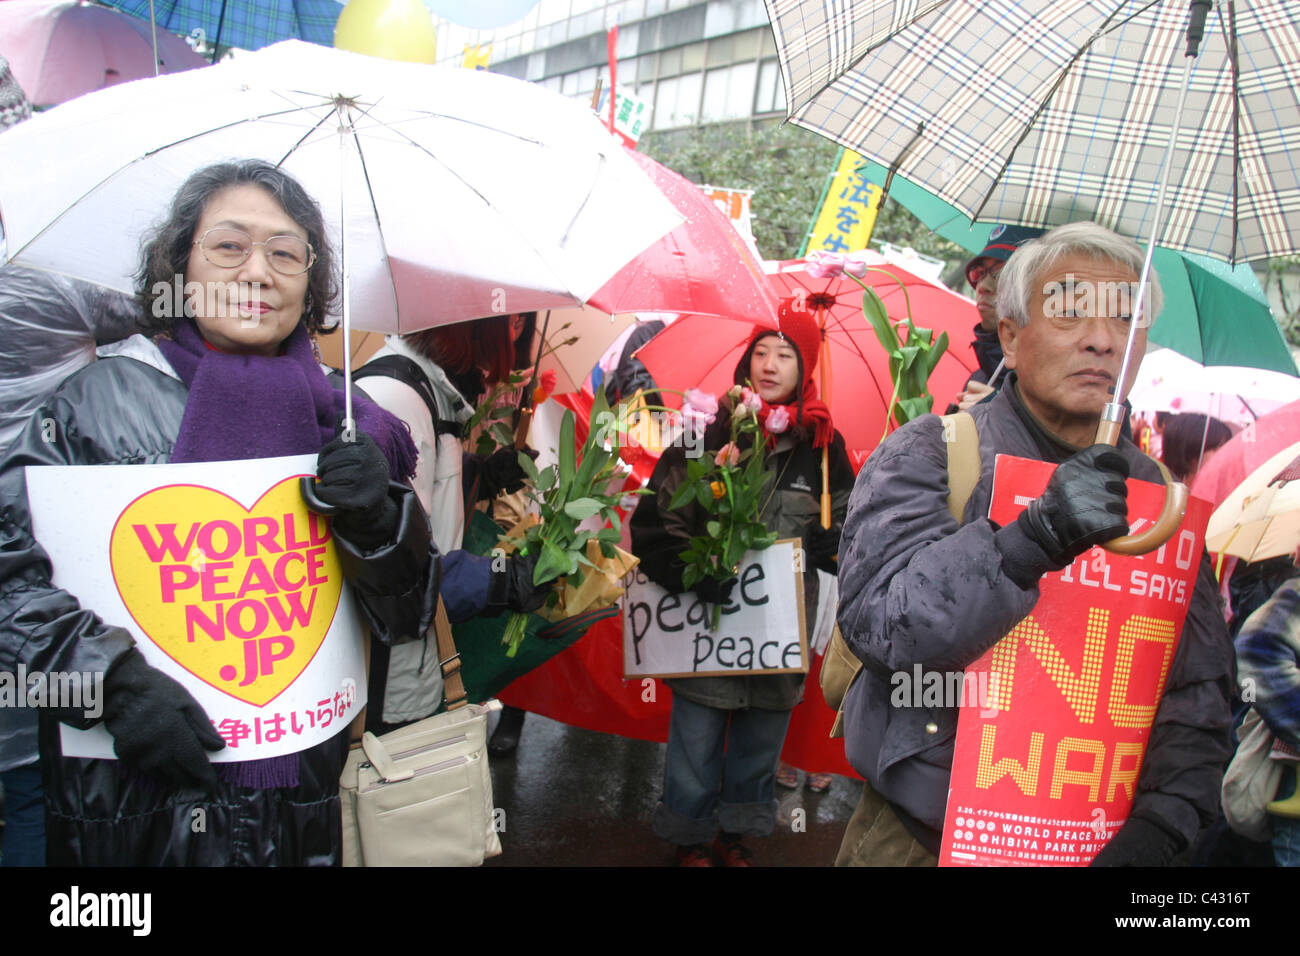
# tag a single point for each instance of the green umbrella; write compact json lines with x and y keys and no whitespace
{"x":1213,"y":313}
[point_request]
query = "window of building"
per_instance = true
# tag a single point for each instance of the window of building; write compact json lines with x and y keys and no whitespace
{"x":719,"y":18}
{"x":693,"y":58}
{"x":728,"y":93}
{"x":677,"y":101}
{"x":655,"y":7}
{"x":770,"y":96}
{"x":536,"y":66}
{"x":627,"y":40}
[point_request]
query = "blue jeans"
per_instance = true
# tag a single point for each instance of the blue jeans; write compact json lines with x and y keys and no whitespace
{"x":24,"y":833}
{"x":720,"y":770}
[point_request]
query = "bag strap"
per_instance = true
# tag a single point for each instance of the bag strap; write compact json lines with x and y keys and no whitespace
{"x":962,"y":438}
{"x":963,"y":460}
{"x":453,"y":684}
{"x":408,"y":372}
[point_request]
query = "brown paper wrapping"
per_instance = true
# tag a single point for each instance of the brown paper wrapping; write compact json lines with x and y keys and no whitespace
{"x":600,"y":587}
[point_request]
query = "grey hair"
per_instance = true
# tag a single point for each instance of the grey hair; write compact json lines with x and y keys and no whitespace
{"x":1028,"y":262}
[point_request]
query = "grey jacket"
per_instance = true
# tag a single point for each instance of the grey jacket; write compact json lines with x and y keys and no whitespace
{"x":660,"y":533}
{"x":917,"y":589}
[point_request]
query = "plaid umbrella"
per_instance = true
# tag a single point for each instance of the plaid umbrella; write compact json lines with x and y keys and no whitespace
{"x":247,"y":24}
{"x":1198,"y":290}
{"x":1038,"y":113}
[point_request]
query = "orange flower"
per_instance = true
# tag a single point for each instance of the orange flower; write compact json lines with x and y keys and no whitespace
{"x":718,"y":489}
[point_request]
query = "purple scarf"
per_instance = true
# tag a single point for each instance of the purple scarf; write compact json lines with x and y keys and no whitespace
{"x":254,"y":406}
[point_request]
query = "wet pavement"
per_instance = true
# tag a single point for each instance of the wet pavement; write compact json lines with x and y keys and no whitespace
{"x":575,"y":797}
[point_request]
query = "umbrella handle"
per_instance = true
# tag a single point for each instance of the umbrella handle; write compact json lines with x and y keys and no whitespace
{"x":307,"y":485}
{"x":1171,"y":514}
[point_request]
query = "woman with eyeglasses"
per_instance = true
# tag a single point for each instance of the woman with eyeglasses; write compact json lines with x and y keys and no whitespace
{"x":225,"y":372}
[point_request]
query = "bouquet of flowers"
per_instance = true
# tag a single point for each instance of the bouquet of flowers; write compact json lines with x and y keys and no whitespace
{"x":911,"y":360}
{"x":578,"y":487}
{"x":728,"y":485}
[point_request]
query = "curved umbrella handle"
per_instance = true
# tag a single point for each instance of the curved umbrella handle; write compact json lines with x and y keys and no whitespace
{"x":1171,"y":514}
{"x":307,"y":485}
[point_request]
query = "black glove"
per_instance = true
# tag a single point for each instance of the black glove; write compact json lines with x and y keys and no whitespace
{"x":1084,"y":504}
{"x":714,"y":591}
{"x":1140,"y":842}
{"x":821,"y":545}
{"x":512,"y":587}
{"x":354,"y":478}
{"x":500,"y":471}
{"x":157,"y":726}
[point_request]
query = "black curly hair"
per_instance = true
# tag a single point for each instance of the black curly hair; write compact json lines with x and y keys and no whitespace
{"x":166,"y":254}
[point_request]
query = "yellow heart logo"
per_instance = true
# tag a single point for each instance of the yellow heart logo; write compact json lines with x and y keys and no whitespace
{"x":240,"y":597}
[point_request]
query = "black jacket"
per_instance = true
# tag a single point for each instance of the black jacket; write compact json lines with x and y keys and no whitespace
{"x":128,"y":410}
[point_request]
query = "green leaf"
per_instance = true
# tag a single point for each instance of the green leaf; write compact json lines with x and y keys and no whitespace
{"x":607,"y":550}
{"x":502,"y":433}
{"x":611,"y":535}
{"x":552,"y":563}
{"x":873,"y":308}
{"x":546,"y":478}
{"x":936,"y":352}
{"x":582,"y":508}
{"x":684,"y":493}
{"x":529,"y":467}
{"x":714,"y":528}
{"x":703,"y":494}
{"x":565,"y":452}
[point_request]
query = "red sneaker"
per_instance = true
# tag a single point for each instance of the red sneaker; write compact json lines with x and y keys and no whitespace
{"x":697,"y":854}
{"x":732,"y":853}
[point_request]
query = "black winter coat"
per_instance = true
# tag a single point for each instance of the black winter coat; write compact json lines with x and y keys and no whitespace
{"x":128,"y":410}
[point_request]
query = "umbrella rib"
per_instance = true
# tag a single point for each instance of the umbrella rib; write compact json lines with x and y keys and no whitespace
{"x":374,"y":208}
{"x":487,"y":202}
{"x":1106,"y":27}
{"x":1230,"y":41}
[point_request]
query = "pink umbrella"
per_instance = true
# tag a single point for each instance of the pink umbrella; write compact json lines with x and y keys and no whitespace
{"x":60,"y":50}
{"x":702,"y":267}
{"x":1239,"y":474}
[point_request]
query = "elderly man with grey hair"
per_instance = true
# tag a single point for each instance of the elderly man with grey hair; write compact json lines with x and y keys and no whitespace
{"x":919,"y":588}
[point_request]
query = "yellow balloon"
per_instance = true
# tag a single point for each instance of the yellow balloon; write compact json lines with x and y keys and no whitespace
{"x":392,"y":29}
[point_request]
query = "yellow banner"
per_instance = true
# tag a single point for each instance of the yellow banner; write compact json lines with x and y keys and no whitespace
{"x":848,"y":213}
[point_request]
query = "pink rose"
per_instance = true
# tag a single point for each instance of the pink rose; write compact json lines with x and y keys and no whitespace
{"x":753,"y":401}
{"x":778,"y":420}
{"x":700,"y":401}
{"x":728,"y":456}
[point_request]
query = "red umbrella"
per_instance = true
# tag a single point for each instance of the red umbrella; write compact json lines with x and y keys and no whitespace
{"x":60,"y":50}
{"x":693,"y":353}
{"x":702,"y":267}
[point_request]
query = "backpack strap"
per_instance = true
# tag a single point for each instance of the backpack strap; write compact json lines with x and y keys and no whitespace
{"x":962,"y":440}
{"x":408,"y":372}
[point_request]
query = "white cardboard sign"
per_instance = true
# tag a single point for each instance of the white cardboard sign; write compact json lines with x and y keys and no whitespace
{"x":762,"y":630}
{"x":227,"y":583}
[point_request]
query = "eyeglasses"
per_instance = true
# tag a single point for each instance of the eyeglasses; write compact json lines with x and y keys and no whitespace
{"x":984,"y":267}
{"x":228,"y":248}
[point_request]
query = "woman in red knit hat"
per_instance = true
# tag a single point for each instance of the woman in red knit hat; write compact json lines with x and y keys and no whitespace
{"x":726,"y":732}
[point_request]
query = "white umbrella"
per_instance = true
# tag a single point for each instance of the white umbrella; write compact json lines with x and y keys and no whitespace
{"x":1169,"y":382}
{"x":461,"y":193}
